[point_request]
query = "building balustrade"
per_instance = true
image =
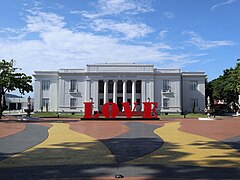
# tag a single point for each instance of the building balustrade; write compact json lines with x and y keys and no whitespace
{"x":167,"y":91}
{"x":73,"y":90}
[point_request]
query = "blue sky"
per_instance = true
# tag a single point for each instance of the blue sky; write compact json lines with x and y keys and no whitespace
{"x":199,"y":35}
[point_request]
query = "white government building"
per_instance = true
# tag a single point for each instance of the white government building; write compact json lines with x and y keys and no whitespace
{"x":66,"y":90}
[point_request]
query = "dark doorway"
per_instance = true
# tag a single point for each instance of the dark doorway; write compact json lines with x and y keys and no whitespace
{"x":119,"y":103}
{"x":12,"y":106}
{"x":19,"y":106}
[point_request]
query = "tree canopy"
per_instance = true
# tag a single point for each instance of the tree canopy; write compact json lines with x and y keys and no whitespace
{"x":226,"y":86}
{"x":11,"y":80}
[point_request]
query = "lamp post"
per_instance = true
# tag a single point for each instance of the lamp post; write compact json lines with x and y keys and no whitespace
{"x":19,"y":109}
{"x":208,"y":106}
{"x":29,"y":107}
{"x":238,"y":111}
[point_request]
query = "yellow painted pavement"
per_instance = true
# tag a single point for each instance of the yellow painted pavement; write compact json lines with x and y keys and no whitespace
{"x":181,"y":148}
{"x":62,"y":147}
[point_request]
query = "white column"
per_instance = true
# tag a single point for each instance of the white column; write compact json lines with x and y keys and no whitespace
{"x":94,"y":93}
{"x":105,"y":91}
{"x":143,"y":95}
{"x":151,"y":90}
{"x":115,"y":91}
{"x":133,"y":93}
{"x":124,"y":90}
{"x":87,"y":90}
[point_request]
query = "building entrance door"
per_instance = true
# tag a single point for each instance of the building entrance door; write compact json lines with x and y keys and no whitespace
{"x":119,"y":103}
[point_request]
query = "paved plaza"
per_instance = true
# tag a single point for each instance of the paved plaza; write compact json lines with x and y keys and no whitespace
{"x":164,"y":149}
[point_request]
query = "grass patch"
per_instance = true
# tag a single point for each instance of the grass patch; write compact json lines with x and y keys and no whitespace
{"x":56,"y":115}
{"x":79,"y":115}
{"x":190,"y":115}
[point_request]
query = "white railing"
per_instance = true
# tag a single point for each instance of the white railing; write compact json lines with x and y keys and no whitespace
{"x":166,"y":91}
{"x":73,"y":90}
{"x":167,"y":71}
{"x":72,"y":70}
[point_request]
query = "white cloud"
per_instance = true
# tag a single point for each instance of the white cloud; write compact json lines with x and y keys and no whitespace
{"x":43,"y":22}
{"x":162,"y":34}
{"x":222,"y":4}
{"x":104,"y":18}
{"x":206,"y":44}
{"x":130,"y":30}
{"x":59,"y":47}
{"x":14,"y":34}
{"x":116,"y":7}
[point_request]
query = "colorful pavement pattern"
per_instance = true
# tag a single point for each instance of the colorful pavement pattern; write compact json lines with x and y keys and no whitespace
{"x":184,"y":148}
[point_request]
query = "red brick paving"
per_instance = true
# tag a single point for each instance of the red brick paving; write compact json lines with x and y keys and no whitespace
{"x":99,"y":129}
{"x":214,"y":129}
{"x":217,"y":129}
{"x":9,"y":128}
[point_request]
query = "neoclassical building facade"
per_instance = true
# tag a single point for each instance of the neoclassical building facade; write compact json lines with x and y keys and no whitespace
{"x":67,"y":89}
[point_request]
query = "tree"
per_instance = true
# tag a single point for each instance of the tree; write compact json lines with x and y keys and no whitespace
{"x":10,"y":81}
{"x":237,"y":76}
{"x":226,"y":86}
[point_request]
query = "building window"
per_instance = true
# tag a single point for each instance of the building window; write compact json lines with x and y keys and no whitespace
{"x":110,"y":86}
{"x":120,"y":87}
{"x":73,"y":102}
{"x":166,"y":85}
{"x":73,"y":85}
{"x":193,"y":85}
{"x":165,"y":103}
{"x":193,"y":102}
{"x":138,"y":101}
{"x":129,"y":86}
{"x":138,"y":87}
{"x":19,"y":106}
{"x":45,"y":85}
{"x":12,"y":106}
{"x":101,"y":101}
{"x":101,"y":86}
{"x":45,"y":103}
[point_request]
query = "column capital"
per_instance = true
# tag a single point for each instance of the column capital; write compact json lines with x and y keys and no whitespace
{"x":134,"y":80}
{"x":105,"y":80}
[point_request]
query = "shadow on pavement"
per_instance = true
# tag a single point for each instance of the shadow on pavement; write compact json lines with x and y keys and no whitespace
{"x":148,"y":171}
{"x":65,"y":161}
{"x":152,"y":159}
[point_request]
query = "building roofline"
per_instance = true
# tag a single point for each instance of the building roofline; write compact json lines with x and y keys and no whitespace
{"x":120,"y":64}
{"x":92,"y":69}
{"x":200,"y":73}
